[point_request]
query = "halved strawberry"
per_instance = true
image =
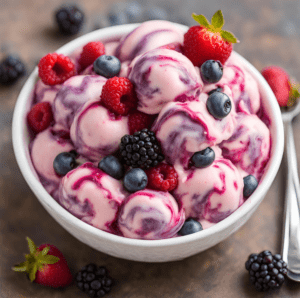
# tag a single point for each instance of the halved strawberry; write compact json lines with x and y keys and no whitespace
{"x":208,"y":41}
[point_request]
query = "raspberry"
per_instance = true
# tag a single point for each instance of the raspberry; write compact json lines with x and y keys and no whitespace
{"x":90,"y":53}
{"x":118,"y":95}
{"x":139,"y":120}
{"x":40,"y":116}
{"x":55,"y":69}
{"x":162,"y":177}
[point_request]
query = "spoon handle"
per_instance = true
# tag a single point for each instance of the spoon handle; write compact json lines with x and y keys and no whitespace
{"x":291,"y":229}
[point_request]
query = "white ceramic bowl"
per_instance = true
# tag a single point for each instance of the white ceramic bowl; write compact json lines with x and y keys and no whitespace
{"x":135,"y":249}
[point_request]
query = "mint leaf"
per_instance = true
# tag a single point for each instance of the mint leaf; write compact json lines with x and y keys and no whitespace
{"x":21,"y":267}
{"x":31,"y":245}
{"x":201,"y":19}
{"x":228,"y":36}
{"x":217,"y":20}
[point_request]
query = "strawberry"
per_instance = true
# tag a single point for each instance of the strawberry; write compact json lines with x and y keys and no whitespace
{"x":208,"y":41}
{"x":46,"y":266}
{"x":279,"y":80}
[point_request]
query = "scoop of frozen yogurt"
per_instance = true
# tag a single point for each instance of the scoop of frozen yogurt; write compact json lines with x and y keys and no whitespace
{"x":249,"y":146}
{"x":92,"y":196}
{"x":210,"y":193}
{"x":96,"y":132}
{"x":150,"y":214}
{"x":161,"y":76}
{"x":149,"y":35}
{"x":43,"y":156}
{"x":44,"y":92}
{"x":73,"y":94}
{"x":185,"y":128}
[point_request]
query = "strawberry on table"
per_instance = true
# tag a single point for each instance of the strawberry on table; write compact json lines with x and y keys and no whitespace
{"x":279,"y":80}
{"x":208,"y":41}
{"x":46,"y":266}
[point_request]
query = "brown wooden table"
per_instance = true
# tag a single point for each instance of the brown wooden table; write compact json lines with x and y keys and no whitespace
{"x":268,"y":34}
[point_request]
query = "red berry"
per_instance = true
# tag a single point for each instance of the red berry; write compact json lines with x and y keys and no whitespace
{"x":139,"y":120}
{"x":55,"y":69}
{"x":208,"y":41}
{"x":162,"y":177}
{"x":279,"y":81}
{"x":40,"y":116}
{"x":46,"y":266}
{"x":200,"y":45}
{"x":118,"y":95}
{"x":90,"y":53}
{"x":56,"y":275}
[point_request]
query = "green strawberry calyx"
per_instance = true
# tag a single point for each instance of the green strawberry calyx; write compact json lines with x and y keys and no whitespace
{"x":294,"y":94}
{"x":217,"y":22}
{"x":35,"y":260}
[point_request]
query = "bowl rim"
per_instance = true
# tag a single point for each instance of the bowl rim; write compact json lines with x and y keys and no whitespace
{"x":18,"y":128}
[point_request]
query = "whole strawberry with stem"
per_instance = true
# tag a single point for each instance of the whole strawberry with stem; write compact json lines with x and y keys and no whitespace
{"x":45,"y":265}
{"x":208,"y":41}
{"x":279,"y":80}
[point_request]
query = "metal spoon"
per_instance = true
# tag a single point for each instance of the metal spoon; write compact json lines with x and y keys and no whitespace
{"x":291,"y":228}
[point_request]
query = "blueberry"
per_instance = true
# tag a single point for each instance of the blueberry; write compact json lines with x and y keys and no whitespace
{"x":211,"y":71}
{"x":64,"y":162}
{"x":219,"y":89}
{"x":156,"y":13}
{"x":117,"y":17}
{"x":135,"y":179}
{"x":107,"y":66}
{"x":100,"y":21}
{"x":112,"y":166}
{"x":218,"y":104}
{"x":190,"y":226}
{"x":134,"y":12}
{"x":204,"y":158}
{"x":250,"y":184}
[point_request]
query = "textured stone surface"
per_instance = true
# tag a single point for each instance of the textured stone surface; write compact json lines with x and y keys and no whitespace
{"x":268,"y":35}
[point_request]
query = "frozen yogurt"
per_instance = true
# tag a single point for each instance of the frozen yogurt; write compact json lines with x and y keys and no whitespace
{"x":204,"y":137}
{"x":92,"y":196}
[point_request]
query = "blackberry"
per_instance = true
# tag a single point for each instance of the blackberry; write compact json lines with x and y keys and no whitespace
{"x":141,"y":150}
{"x":69,"y":19}
{"x":266,"y":271}
{"x":94,"y":281}
{"x":11,"y":69}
